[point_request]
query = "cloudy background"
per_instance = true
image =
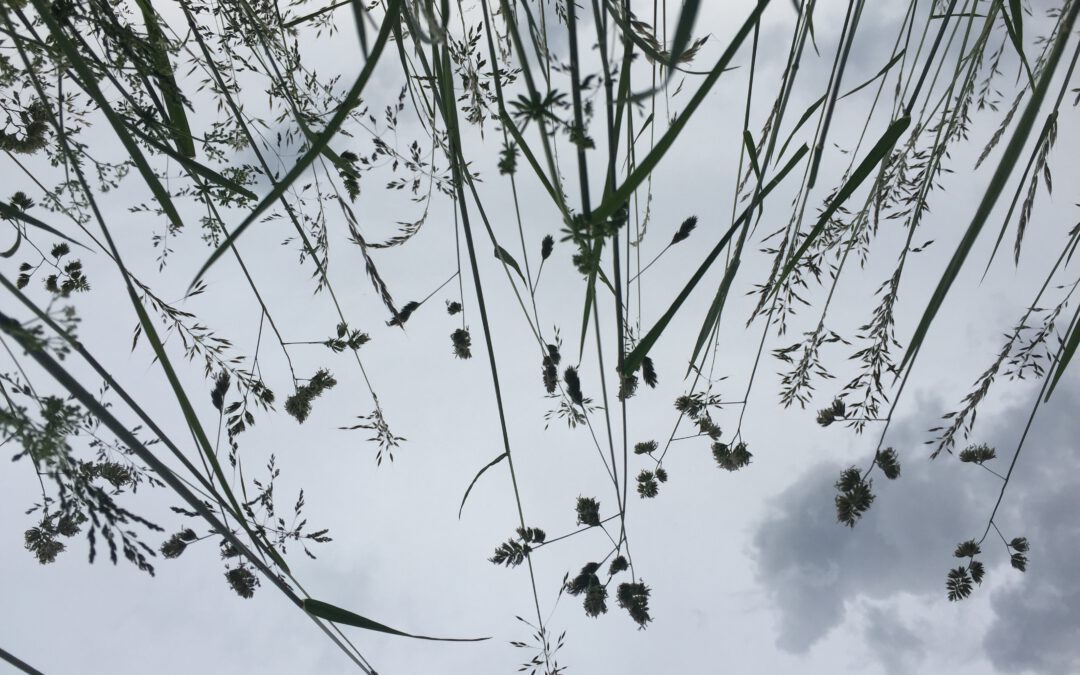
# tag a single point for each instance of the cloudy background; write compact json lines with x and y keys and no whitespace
{"x":750,"y":572}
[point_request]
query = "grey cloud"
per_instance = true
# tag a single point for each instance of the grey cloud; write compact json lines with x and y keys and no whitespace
{"x":899,"y":648}
{"x":812,"y":566}
{"x":1038,"y":620}
{"x":815,"y":570}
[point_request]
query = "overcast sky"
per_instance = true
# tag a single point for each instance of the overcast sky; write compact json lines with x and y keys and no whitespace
{"x":750,"y":573}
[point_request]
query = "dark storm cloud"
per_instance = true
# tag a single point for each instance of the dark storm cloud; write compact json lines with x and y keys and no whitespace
{"x":815,"y":570}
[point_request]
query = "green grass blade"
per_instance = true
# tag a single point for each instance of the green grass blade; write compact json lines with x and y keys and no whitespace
{"x":325,"y":610}
{"x":14,"y":247}
{"x":476,"y":478}
{"x":504,"y":256}
{"x":715,"y":309}
{"x":174,"y":103}
{"x":10,"y":212}
{"x":1065,"y":354}
{"x":751,"y":150}
{"x":997,"y":184}
{"x":18,"y":663}
{"x":1014,"y":25}
{"x":683,"y":31}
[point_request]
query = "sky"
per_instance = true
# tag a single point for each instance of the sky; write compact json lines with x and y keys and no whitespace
{"x":749,"y":571}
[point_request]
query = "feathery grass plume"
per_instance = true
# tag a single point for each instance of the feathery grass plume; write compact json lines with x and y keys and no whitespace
{"x":628,"y":385}
{"x":453,"y":307}
{"x":512,"y":552}
{"x":634,"y":598}
{"x":967,"y":549}
{"x":889,"y":462}
{"x":70,"y":524}
{"x":573,"y":385}
{"x":684,"y":230}
{"x":661,"y":474}
{"x":588,"y":583}
{"x":977,"y":570}
{"x":977,"y":454}
{"x":595,"y":600}
{"x":299,"y":404}
{"x":707,"y":427}
{"x":647,"y":486}
{"x":551,"y":375}
{"x":508,"y":159}
{"x":462,"y":343}
{"x":41,"y":541}
{"x":550,"y":370}
{"x":221,"y":387}
{"x":648,"y":372}
{"x":114,"y":473}
{"x":345,"y":339}
{"x":588,"y":511}
{"x":404,"y":313}
{"x":1018,"y":548}
{"x":531,"y":535}
{"x":175,"y":545}
{"x":34,"y":125}
{"x":836,"y":411}
{"x":242,"y":580}
{"x":585,"y":578}
{"x":619,"y":564}
{"x":546,"y":247}
{"x":958,"y":584}
{"x":645,"y":447}
{"x":731,"y":458}
{"x":854,"y":498}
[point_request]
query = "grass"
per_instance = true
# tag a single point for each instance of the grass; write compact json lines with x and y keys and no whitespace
{"x":166,"y":92}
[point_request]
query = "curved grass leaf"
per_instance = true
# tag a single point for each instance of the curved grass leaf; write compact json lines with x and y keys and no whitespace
{"x":325,"y":610}
{"x":174,"y":103}
{"x":9,"y":211}
{"x":14,"y":247}
{"x":476,"y":478}
{"x":1065,"y":354}
{"x":715,"y":309}
{"x":504,"y":256}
